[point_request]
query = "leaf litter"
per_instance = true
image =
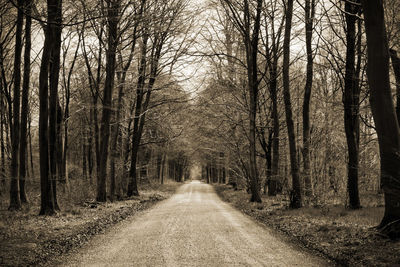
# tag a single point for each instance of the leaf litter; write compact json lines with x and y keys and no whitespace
{"x":346,"y":237}
{"x":28,"y":239}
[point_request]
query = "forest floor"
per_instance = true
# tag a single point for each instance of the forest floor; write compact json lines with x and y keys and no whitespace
{"x":347,"y":237}
{"x":28,"y":239}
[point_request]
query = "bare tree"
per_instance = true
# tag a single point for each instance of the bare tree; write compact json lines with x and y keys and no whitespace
{"x":157,"y":37}
{"x":113,"y":15}
{"x":296,"y":194}
{"x":351,"y":100}
{"x":384,"y":113}
{"x":309,"y":21}
{"x":95,"y":77}
{"x":396,"y":69}
{"x":15,"y":201}
{"x":121,"y":76}
{"x":54,"y":114}
{"x":25,"y":102}
{"x":53,"y":26}
{"x":67,"y":77}
{"x":273,"y":52}
{"x":249,"y":27}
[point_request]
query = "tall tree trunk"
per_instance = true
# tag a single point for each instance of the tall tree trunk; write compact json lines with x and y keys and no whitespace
{"x":296,"y":197}
{"x":268,"y":161}
{"x":84,"y":155}
{"x":115,"y":128}
{"x":64,"y":158}
{"x":126,"y":149}
{"x":272,"y":188}
{"x":2,"y":122}
{"x":383,"y":112}
{"x":61,"y":175}
{"x":9,"y":126}
{"x":15,"y":202}
{"x":89,"y":149}
{"x":53,"y":101}
{"x":162,"y":169}
{"x":113,"y":177}
{"x":351,"y":107}
{"x":273,"y":54}
{"x":396,"y":69}
{"x":132,"y":185}
{"x":48,"y":205}
{"x":113,"y":8}
{"x":2,"y":145}
{"x":96,"y":135}
{"x":94,"y":85}
{"x":141,"y":108}
{"x":30,"y":146}
{"x":309,"y":17}
{"x":138,"y":124}
{"x":114,"y":139}
{"x":25,"y":103}
{"x":252,"y":73}
{"x":27,"y":164}
{"x":208,"y":173}
{"x":158,"y":165}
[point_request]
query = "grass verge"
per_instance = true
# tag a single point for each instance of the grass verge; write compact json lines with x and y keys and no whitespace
{"x":27,"y":239}
{"x":346,"y":237}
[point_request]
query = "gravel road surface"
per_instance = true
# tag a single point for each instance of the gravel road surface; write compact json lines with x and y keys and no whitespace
{"x":192,"y":228}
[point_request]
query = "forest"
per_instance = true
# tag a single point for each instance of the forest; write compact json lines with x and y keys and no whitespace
{"x":296,"y":101}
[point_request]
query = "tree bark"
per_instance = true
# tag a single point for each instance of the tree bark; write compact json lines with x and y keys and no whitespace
{"x":396,"y":69}
{"x":25,"y":103}
{"x":15,"y":201}
{"x":2,"y":144}
{"x":63,"y":158}
{"x":89,"y":149}
{"x":208,"y":173}
{"x":2,"y":128}
{"x":121,"y":81}
{"x":296,"y":197}
{"x":140,"y":106}
{"x":252,"y":74}
{"x":94,"y":85}
{"x":114,"y":138}
{"x":61,"y":175}
{"x":112,"y":40}
{"x":268,"y":161}
{"x":132,"y":185}
{"x":159,"y":158}
{"x":309,"y":17}
{"x":383,"y":111}
{"x":84,"y":147}
{"x":48,"y":206}
{"x":30,"y":146}
{"x":351,"y":107}
{"x":53,"y":100}
{"x":162,"y":164}
{"x":272,"y":188}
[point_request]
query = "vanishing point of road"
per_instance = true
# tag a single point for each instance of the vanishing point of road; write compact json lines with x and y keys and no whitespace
{"x":192,"y":228}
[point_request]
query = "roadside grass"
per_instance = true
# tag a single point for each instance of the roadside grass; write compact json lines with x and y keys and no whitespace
{"x":29,"y":239}
{"x":347,"y":237}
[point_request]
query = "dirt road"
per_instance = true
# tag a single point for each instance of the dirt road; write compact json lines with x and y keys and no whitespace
{"x":193,"y":228}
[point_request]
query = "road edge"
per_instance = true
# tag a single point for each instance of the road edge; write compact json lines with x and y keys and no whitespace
{"x":50,"y":250}
{"x":279,"y":232}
